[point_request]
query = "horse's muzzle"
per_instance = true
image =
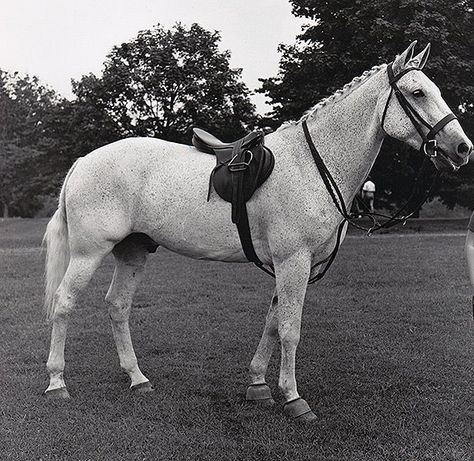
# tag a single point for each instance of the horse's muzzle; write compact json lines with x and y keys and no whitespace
{"x":449,"y":160}
{"x":449,"y":163}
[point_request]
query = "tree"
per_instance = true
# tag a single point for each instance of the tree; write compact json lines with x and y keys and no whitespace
{"x":164,"y":82}
{"x":72,"y":129}
{"x":349,"y":37}
{"x":24,"y":103}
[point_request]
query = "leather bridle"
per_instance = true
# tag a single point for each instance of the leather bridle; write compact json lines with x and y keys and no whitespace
{"x":429,"y":146}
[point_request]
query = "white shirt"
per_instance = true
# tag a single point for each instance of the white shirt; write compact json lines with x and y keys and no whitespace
{"x":369,"y":186}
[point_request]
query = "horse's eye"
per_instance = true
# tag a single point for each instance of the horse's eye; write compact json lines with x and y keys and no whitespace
{"x":418,"y":93}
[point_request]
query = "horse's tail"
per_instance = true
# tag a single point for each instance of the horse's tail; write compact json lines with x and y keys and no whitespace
{"x":57,"y":250}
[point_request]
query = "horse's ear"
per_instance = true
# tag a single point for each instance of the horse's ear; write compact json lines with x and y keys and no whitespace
{"x":419,"y":61}
{"x":400,"y":61}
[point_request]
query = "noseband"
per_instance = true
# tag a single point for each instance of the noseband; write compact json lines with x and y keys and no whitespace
{"x":429,"y":146}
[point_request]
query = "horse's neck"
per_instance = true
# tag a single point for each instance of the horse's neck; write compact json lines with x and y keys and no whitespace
{"x":347,"y":134}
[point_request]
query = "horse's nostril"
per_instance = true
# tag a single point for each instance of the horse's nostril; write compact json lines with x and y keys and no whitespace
{"x":463,"y":148}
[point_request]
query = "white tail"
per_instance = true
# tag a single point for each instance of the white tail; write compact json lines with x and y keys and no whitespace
{"x":57,"y":250}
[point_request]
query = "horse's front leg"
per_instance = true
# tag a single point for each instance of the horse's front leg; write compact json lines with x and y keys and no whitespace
{"x":258,"y":391}
{"x":292,"y":276}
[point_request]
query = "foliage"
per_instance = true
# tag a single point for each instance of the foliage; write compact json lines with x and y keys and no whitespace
{"x":24,"y":105}
{"x":72,"y":130}
{"x":164,"y":82}
{"x":349,"y":37}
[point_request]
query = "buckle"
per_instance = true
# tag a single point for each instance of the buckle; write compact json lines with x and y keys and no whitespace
{"x":430,"y":148}
{"x":239,"y":166}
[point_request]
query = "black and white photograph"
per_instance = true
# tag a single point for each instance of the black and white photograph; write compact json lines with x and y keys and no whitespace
{"x":237,"y":230}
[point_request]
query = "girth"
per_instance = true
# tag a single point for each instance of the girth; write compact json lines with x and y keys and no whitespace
{"x":241,"y":168}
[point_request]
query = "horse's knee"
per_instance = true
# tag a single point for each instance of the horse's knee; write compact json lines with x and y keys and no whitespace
{"x":119,"y":308}
{"x":289,"y":337}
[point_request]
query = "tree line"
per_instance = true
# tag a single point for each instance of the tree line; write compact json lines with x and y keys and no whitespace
{"x":163,"y":82}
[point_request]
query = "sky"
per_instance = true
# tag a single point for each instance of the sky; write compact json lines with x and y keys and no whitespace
{"x":57,"y":40}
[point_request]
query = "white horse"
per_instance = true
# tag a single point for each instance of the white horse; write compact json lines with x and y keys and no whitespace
{"x":137,"y":186}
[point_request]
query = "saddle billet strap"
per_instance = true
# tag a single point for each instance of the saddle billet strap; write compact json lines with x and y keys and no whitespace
{"x":237,"y":175}
{"x":241,"y":220}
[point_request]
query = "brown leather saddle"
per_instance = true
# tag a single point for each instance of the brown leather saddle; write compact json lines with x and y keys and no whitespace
{"x":242,"y":167}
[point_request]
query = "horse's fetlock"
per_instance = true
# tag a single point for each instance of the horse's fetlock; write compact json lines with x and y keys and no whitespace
{"x":129,"y":366}
{"x":55,"y":367}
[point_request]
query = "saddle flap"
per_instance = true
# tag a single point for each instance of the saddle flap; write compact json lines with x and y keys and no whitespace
{"x":253,"y":176}
{"x":242,"y":166}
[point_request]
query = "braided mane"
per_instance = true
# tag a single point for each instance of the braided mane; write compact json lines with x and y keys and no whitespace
{"x":340,"y":94}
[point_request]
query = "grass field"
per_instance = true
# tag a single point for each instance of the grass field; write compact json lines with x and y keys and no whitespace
{"x":385,"y":360}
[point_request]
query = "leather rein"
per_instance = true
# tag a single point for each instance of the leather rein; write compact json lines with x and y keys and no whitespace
{"x":429,"y":148}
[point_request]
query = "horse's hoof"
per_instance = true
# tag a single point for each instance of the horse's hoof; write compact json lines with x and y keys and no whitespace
{"x":306,"y":418}
{"x":299,"y":410}
{"x":265,"y":403}
{"x":260,"y":394}
{"x":57,"y":394}
{"x":143,"y":388}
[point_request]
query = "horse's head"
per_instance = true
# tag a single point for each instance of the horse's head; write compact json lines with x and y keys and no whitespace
{"x":415,"y":112}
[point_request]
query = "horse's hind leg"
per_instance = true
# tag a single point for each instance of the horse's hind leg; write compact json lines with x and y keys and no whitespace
{"x":77,"y":276}
{"x":130,"y":258}
{"x":258,"y":391}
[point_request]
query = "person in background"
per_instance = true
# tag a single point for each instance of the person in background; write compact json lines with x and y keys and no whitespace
{"x":368,"y":194}
{"x":470,"y":255}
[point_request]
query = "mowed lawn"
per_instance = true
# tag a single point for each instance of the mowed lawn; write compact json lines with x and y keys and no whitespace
{"x":385,"y":359}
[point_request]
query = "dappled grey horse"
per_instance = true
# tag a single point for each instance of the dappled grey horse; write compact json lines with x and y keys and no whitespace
{"x":158,"y":189}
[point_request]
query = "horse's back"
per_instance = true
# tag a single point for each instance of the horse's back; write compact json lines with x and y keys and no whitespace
{"x":155,"y":187}
{"x":146,"y":153}
{"x":132,"y":162}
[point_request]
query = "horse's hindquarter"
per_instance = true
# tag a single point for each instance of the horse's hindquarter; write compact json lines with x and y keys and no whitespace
{"x":158,"y":188}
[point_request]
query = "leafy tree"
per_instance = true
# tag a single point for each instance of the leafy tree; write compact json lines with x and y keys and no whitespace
{"x":164,"y":82}
{"x":24,"y":103}
{"x":348,"y":37}
{"x":72,"y":129}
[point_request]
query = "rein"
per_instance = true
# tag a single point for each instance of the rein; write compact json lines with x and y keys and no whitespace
{"x":429,"y":147}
